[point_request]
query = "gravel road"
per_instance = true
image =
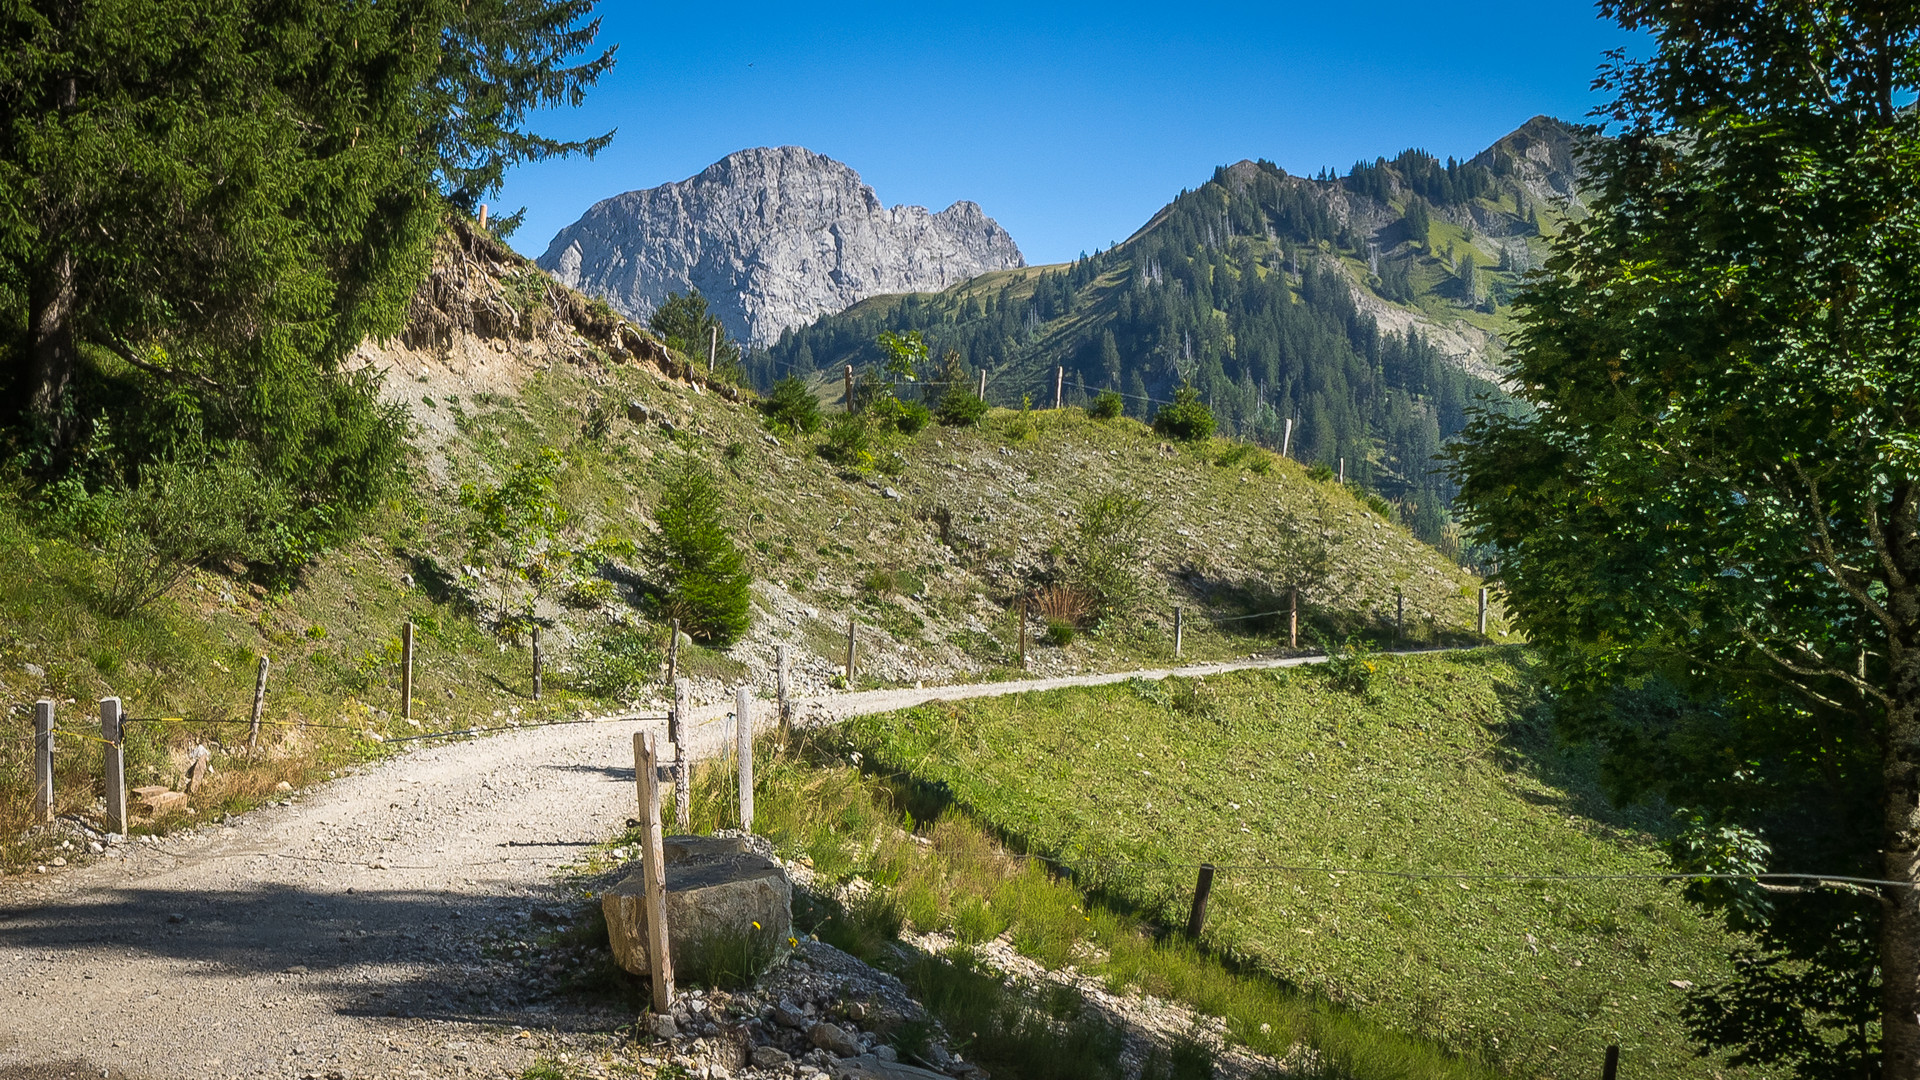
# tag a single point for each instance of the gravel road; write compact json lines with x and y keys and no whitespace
{"x":373,"y":926}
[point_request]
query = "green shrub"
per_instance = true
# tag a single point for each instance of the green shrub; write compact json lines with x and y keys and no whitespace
{"x":959,"y":407}
{"x":1060,"y":632}
{"x":703,"y":573}
{"x":1110,"y":535}
{"x":1188,"y":419}
{"x":792,"y":408}
{"x":1107,"y":406}
{"x":848,"y":443}
{"x":621,"y":663}
{"x":1320,"y":473}
{"x":906,"y":417}
{"x":1351,"y":667}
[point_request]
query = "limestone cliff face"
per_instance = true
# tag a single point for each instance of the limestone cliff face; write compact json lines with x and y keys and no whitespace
{"x":773,"y":238}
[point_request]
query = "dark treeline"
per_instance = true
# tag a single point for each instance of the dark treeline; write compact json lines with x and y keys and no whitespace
{"x":1231,"y":290}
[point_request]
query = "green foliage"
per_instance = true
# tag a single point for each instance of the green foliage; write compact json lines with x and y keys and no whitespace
{"x":1107,"y":405}
{"x":959,"y":407}
{"x":1109,"y":539}
{"x":906,"y":417}
{"x":702,"y":574}
{"x":1060,"y":632}
{"x":792,"y":408}
{"x":728,"y":959}
{"x":903,"y":352}
{"x":1351,"y":668}
{"x":848,"y":442}
{"x":684,"y":325}
{"x":1187,"y":418}
{"x":622,"y":663}
{"x":1703,"y":491}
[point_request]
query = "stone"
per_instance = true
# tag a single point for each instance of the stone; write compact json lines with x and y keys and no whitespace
{"x":36,"y":671}
{"x":873,"y":1067}
{"x":834,"y":1039}
{"x":715,"y":888}
{"x":199,"y":767}
{"x":166,"y":802}
{"x":770,"y":1057}
{"x":789,"y":1015}
{"x":283,"y":786}
{"x":773,"y":237}
{"x":662,"y":1026}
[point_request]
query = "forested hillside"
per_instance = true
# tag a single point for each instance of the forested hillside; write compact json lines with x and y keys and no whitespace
{"x":1361,"y":307}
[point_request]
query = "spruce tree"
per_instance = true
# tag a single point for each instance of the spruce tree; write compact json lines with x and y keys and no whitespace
{"x":702,"y":574}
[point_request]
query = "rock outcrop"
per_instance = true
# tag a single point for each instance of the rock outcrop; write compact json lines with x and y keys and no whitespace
{"x":773,"y":238}
{"x":720,"y":896}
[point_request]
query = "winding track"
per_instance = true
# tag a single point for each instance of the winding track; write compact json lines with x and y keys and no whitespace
{"x":343,"y":934}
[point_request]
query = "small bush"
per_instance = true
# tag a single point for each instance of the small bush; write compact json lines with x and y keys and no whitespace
{"x":878,"y":582}
{"x":1107,"y":406}
{"x":1188,"y":419}
{"x":1065,"y":602}
{"x":892,"y":464}
{"x":621,"y":664}
{"x":1377,"y":504}
{"x":975,"y":921}
{"x":1351,"y":667}
{"x":792,"y":408}
{"x":1320,"y":473}
{"x":906,"y":417}
{"x":848,"y":443}
{"x":959,"y":407}
{"x":1060,"y":632}
{"x":729,"y":960}
{"x":1110,"y":535}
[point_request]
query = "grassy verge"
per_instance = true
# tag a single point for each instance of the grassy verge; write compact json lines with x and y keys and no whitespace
{"x":931,"y":867}
{"x":1431,"y":763}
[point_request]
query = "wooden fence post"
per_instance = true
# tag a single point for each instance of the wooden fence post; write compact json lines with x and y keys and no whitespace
{"x":1343,"y":471}
{"x":1286,"y":440}
{"x":1293,"y":618}
{"x":259,"y":707}
{"x":743,"y":747}
{"x":1483,"y":611}
{"x":1179,"y":630}
{"x":1197,"y":918}
{"x":983,"y":384}
{"x":849,"y":387}
{"x":673,"y":654}
{"x":1023,"y":633}
{"x":682,"y":778}
{"x":406,"y":671}
{"x":116,"y":765}
{"x":785,"y":693}
{"x":713,"y":347}
{"x":43,"y":761}
{"x":1611,"y":1070}
{"x":1059,"y":384}
{"x":850,"y":641}
{"x":653,"y":871}
{"x":536,"y":663}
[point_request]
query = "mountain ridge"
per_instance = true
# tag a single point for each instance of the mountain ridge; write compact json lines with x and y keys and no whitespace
{"x":773,"y":237}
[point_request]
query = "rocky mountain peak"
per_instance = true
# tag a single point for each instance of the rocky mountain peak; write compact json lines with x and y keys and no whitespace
{"x":773,"y":237}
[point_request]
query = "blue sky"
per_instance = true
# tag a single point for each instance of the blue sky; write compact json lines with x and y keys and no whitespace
{"x":1069,"y":125}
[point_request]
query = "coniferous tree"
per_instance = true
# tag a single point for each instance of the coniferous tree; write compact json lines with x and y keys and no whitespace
{"x":702,"y":574}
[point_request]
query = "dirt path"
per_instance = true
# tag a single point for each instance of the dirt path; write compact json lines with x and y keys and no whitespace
{"x":369,"y":927}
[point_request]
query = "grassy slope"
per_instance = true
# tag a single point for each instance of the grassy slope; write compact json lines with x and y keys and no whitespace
{"x":1444,"y":770}
{"x":813,"y":535}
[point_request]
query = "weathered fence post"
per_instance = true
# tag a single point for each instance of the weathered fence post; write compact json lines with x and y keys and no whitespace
{"x":406,"y":671}
{"x":43,"y":760}
{"x":1286,"y":440}
{"x":850,"y":642}
{"x":713,"y":348}
{"x":849,"y":387}
{"x":653,"y":871}
{"x":785,"y":693}
{"x":483,"y":215}
{"x":1483,"y":611}
{"x":1023,"y":633}
{"x":1343,"y":471}
{"x":983,"y":384}
{"x":682,"y":765}
{"x":259,"y":707}
{"x":1197,"y":918}
{"x":116,"y":765}
{"x":1611,"y":1070}
{"x":536,"y":663}
{"x":1293,"y":618}
{"x":1179,"y":631}
{"x":743,"y":746}
{"x":1059,"y":384}
{"x":673,"y":653}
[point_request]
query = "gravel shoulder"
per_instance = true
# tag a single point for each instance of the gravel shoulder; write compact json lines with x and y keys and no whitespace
{"x":373,"y":926}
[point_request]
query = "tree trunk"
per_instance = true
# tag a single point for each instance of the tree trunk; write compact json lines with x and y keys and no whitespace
{"x":50,"y":365}
{"x":1900,"y":928}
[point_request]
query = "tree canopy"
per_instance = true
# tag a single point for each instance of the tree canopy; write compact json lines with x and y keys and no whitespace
{"x":1709,"y":520}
